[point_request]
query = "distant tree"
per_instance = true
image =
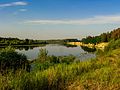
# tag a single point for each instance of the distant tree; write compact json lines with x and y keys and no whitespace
{"x":27,"y":41}
{"x":104,"y":37}
{"x":108,"y":36}
{"x":115,"y":34}
{"x":97,"y":39}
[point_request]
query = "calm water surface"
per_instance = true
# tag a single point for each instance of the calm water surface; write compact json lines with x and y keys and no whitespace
{"x":58,"y":50}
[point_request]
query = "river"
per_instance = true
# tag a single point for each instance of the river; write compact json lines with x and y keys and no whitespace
{"x":57,"y":50}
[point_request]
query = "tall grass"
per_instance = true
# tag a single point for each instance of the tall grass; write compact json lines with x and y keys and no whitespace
{"x":91,"y":74}
{"x":102,"y":73}
{"x":113,"y":44}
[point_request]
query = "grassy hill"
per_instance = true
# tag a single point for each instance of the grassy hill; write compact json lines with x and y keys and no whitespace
{"x":65,"y":73}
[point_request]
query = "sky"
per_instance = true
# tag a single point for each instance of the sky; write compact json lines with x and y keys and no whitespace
{"x":58,"y":19}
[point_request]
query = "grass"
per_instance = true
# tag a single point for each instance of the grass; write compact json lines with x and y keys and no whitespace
{"x":102,"y":73}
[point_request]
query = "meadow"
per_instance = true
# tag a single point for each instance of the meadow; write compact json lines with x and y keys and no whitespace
{"x":67,"y":73}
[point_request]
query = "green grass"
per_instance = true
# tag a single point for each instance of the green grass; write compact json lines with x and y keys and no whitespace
{"x":102,"y":73}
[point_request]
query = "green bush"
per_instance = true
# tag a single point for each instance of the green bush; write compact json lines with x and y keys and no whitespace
{"x":113,"y":44}
{"x":62,"y":73}
{"x":44,"y":61}
{"x":67,"y":59}
{"x":10,"y":59}
{"x":42,"y":56}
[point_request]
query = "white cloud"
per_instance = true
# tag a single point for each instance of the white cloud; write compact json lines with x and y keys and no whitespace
{"x":20,"y":3}
{"x":111,"y":19}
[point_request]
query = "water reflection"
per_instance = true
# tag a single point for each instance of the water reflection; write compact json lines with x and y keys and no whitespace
{"x":24,"y":47}
{"x":68,"y":45}
{"x":58,"y":50}
{"x":88,"y":49}
{"x":30,"y":47}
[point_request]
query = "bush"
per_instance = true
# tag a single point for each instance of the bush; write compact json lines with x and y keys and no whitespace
{"x":113,"y":44}
{"x":101,"y":73}
{"x":44,"y":61}
{"x":10,"y":59}
{"x":67,"y":59}
{"x":42,"y":56}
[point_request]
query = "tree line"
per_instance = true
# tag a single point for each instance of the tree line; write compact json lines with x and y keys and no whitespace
{"x":16,"y":41}
{"x":104,"y":37}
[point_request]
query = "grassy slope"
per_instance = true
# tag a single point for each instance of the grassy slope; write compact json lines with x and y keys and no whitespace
{"x":102,"y":73}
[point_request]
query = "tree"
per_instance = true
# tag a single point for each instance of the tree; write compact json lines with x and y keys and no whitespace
{"x":10,"y":59}
{"x":42,"y":56}
{"x":104,"y":37}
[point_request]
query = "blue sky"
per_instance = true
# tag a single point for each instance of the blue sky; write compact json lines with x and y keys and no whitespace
{"x":57,"y":19}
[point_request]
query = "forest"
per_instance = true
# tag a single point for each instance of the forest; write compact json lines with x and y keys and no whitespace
{"x":16,"y":41}
{"x":62,"y":72}
{"x":104,"y":37}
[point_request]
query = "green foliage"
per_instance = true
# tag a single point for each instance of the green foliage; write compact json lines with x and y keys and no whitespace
{"x":67,"y":59}
{"x":92,"y":40}
{"x":42,"y":56}
{"x":101,"y":73}
{"x":104,"y":37}
{"x":113,"y":44}
{"x":63,"y":73}
{"x":9,"y":59}
{"x":16,"y":41}
{"x":44,"y":61}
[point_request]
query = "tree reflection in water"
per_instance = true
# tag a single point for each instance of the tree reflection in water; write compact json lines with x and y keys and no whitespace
{"x":88,"y":49}
{"x":23,"y":47}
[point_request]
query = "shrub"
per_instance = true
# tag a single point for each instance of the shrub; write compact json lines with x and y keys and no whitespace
{"x":10,"y":59}
{"x":113,"y":44}
{"x":67,"y":59}
{"x":42,"y":56}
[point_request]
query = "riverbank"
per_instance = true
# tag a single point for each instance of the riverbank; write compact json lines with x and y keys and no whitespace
{"x":65,"y":74}
{"x":97,"y":46}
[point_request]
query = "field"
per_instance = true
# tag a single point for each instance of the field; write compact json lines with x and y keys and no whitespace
{"x":66,"y":73}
